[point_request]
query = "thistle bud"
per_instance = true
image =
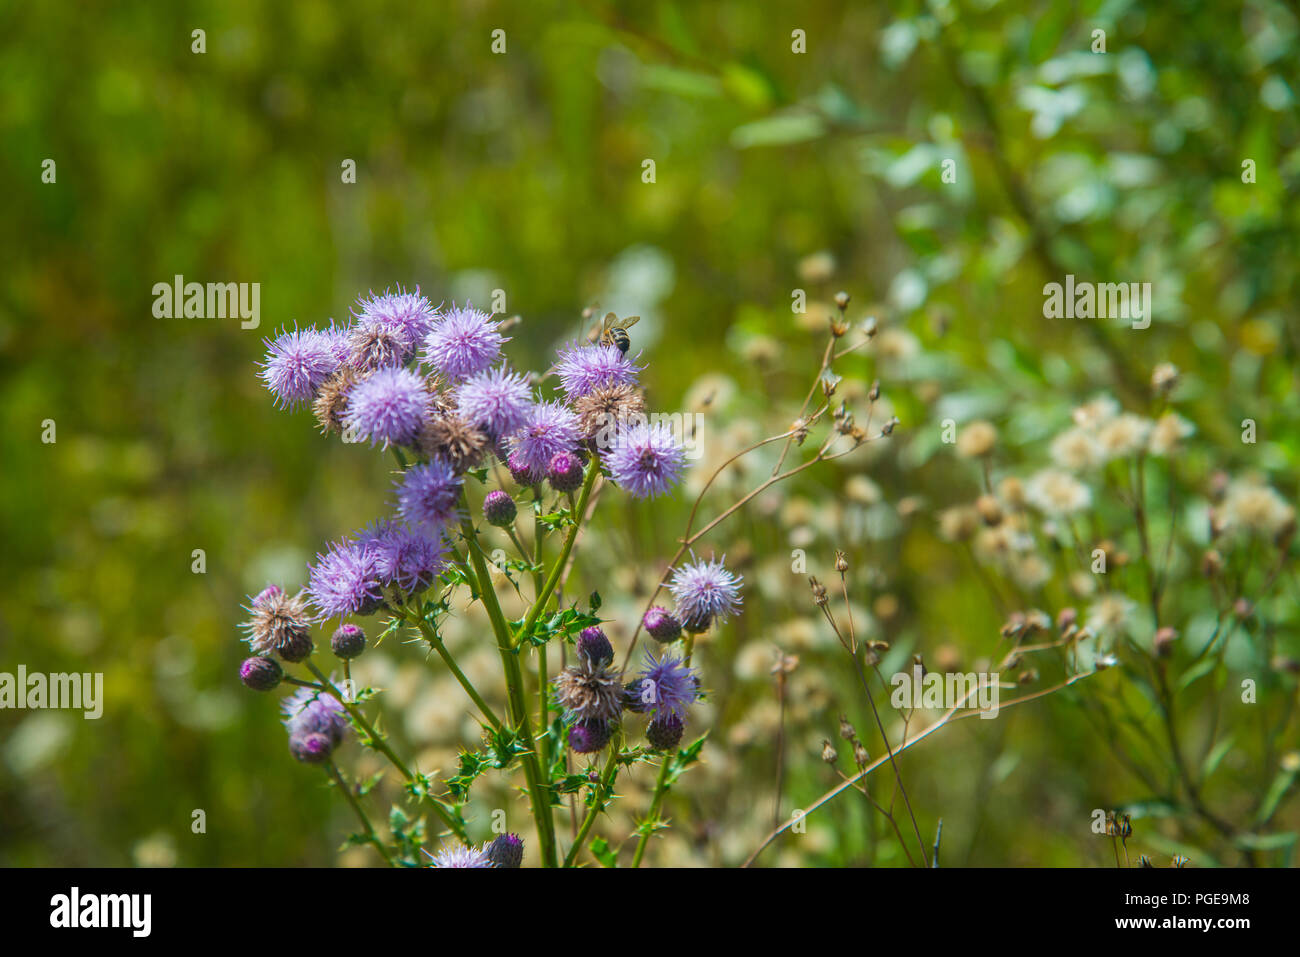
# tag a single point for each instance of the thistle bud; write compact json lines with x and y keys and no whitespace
{"x":260,"y":674}
{"x":348,"y":641}
{"x":841,"y":562}
{"x":588,"y":737}
{"x":665,"y":732}
{"x":594,"y":646}
{"x":311,"y":747}
{"x":842,"y":301}
{"x":499,"y":509}
{"x":661,"y":624}
{"x":565,"y":472}
{"x":506,"y":851}
{"x":829,"y":754}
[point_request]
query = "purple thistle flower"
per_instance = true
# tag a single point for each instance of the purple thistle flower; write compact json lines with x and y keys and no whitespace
{"x":665,"y":733}
{"x":336,"y":337}
{"x":457,"y":855}
{"x":583,"y":369}
{"x":666,"y":688}
{"x":404,"y":556}
{"x":499,"y":509}
{"x":705,"y":591}
{"x":344,"y":581}
{"x":497,"y":401}
{"x":296,"y":364}
{"x":388,"y":407}
{"x":462,"y":343}
{"x":646,"y":459}
{"x":310,"y":747}
{"x":308,"y":711}
{"x":588,"y":737}
{"x":565,"y":472}
{"x":521,"y":473}
{"x":260,"y":674}
{"x":506,"y":851}
{"x":428,"y":494}
{"x":548,"y":429}
{"x":407,"y":313}
{"x":593,"y":644}
{"x":348,"y":641}
{"x":662,"y":624}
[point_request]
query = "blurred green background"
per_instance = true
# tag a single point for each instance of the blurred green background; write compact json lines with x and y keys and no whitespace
{"x":522,"y":171}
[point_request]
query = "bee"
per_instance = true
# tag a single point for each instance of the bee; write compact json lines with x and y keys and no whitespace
{"x":613,"y":331}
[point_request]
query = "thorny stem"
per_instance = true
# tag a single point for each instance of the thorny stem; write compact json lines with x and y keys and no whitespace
{"x":435,"y":642}
{"x":377,"y":741}
{"x":661,"y":782}
{"x":593,"y":470}
{"x":361,"y":814}
{"x":598,"y":799}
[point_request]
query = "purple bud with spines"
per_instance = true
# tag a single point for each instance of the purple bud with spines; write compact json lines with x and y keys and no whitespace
{"x":565,"y":472}
{"x":348,"y":641}
{"x":506,"y":851}
{"x":665,"y":732}
{"x":594,"y":645}
{"x":661,"y":624}
{"x":520,"y":472}
{"x":260,"y":673}
{"x":311,"y":747}
{"x":499,"y":509}
{"x":588,"y":737}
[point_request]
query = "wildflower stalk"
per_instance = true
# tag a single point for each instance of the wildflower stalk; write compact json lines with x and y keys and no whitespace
{"x":361,"y":814}
{"x":377,"y":741}
{"x":518,"y":710}
{"x":603,"y":790}
{"x":661,"y":782}
{"x":435,"y":642}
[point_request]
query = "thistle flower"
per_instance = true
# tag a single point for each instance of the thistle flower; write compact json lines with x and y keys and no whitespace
{"x":457,"y":855}
{"x":565,"y":472}
{"x":666,"y":688}
{"x":521,"y":473}
{"x":583,"y":369}
{"x":646,"y":460}
{"x":506,"y":851}
{"x":589,"y":691}
{"x":428,"y":494}
{"x":588,"y":737}
{"x":661,"y":624}
{"x":594,"y":646}
{"x":308,"y":711}
{"x":389,"y":407}
{"x":331,"y":405}
{"x":375,"y":344}
{"x":462,"y":343}
{"x":279,"y":623}
{"x":665,"y":733}
{"x":1055,"y":492}
{"x":496,"y":401}
{"x":449,"y":437}
{"x":260,"y":674}
{"x":603,"y":411}
{"x":548,"y":429}
{"x":344,"y":581}
{"x":310,"y":747}
{"x":336,"y":337}
{"x":348,"y":641}
{"x":499,"y":509}
{"x":404,"y":556}
{"x":409,"y":313}
{"x":705,"y":592}
{"x":297,"y":364}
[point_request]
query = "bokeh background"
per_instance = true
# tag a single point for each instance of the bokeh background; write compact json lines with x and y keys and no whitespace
{"x":522,"y":171}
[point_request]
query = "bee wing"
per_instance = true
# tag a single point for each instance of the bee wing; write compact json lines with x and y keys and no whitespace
{"x":629,"y":322}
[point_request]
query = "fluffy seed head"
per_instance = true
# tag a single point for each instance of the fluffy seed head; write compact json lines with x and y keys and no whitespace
{"x":604,"y":411}
{"x":704,"y":592}
{"x":449,"y":437}
{"x":331,"y":405}
{"x":589,"y":691}
{"x":279,"y":623}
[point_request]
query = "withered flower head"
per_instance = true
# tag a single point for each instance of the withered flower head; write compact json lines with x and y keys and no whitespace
{"x":602,"y":409}
{"x":590,"y":691}
{"x":453,"y":439}
{"x":332,"y":399}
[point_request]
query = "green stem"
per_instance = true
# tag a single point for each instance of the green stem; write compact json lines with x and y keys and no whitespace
{"x":379,"y":744}
{"x":558,"y":569}
{"x":661,"y":782}
{"x":361,"y":814}
{"x":518,"y":710}
{"x":598,"y":799}
{"x":435,"y":642}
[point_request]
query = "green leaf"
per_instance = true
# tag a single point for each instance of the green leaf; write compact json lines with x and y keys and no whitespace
{"x":601,"y":850}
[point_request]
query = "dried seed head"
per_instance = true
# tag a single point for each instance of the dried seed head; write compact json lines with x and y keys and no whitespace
{"x":841,"y":562}
{"x":990,"y":510}
{"x":818,"y":591}
{"x":860,"y":756}
{"x":590,"y":691}
{"x":453,"y":439}
{"x":829,"y":754}
{"x":841,"y":301}
{"x":602,"y":410}
{"x":846,"y":729}
{"x":332,"y":400}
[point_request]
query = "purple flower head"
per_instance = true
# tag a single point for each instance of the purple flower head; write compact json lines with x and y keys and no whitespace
{"x":457,"y":855}
{"x":520,"y":472}
{"x":506,"y":851}
{"x":666,"y":733}
{"x":662,"y":624}
{"x":583,"y":369}
{"x":705,"y":591}
{"x":497,"y":401}
{"x":548,"y":429}
{"x":646,"y":459}
{"x":407,"y":313}
{"x":565,"y":472}
{"x":344,"y":581}
{"x":499,"y":509}
{"x":260,"y":674}
{"x":428,"y":494}
{"x":308,"y":711}
{"x":404,"y":556}
{"x":348,"y":641}
{"x":462,"y":343}
{"x":310,"y":747}
{"x":296,"y":364}
{"x":588,"y":737}
{"x":666,"y":688}
{"x":388,"y":407}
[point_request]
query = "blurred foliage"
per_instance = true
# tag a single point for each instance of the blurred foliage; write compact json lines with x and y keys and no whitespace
{"x":522,"y":171}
